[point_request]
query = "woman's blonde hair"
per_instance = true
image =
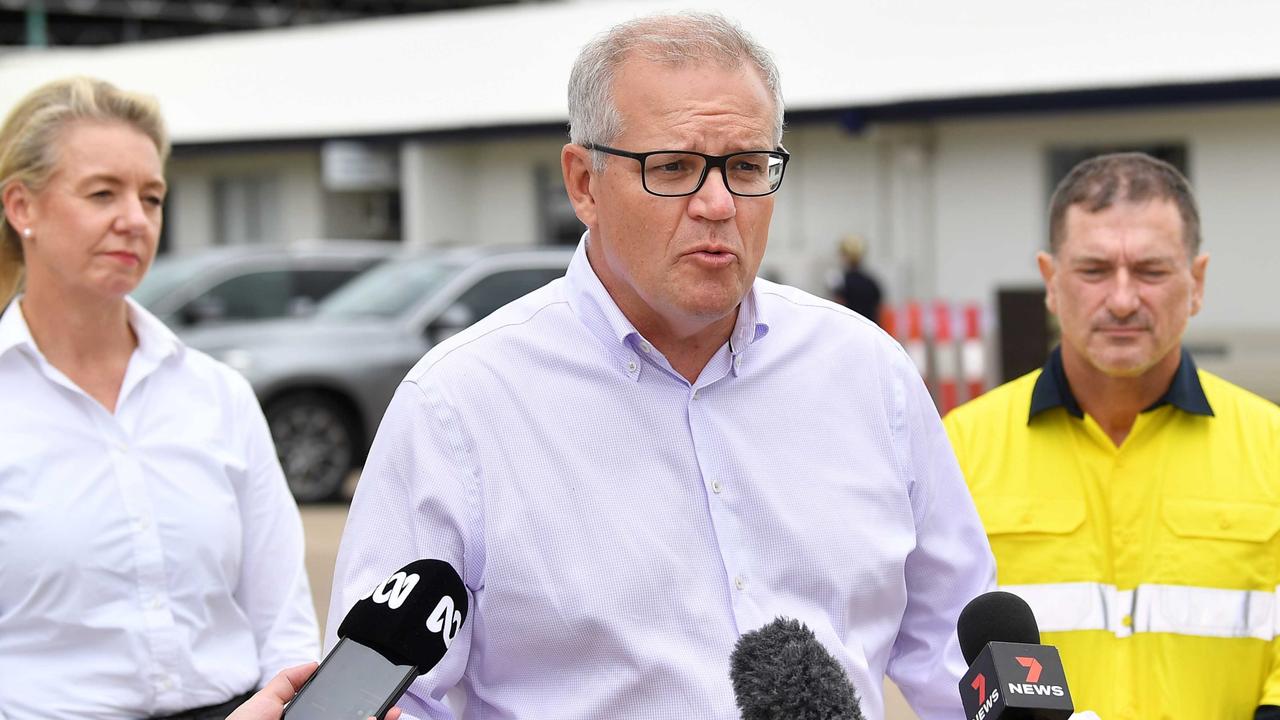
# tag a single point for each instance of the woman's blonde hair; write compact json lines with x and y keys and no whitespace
{"x":29,"y":144}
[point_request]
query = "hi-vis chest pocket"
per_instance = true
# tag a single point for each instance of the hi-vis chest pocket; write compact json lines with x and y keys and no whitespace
{"x":1035,"y":538}
{"x":1015,"y":515}
{"x":1218,"y":520}
{"x":1219,"y":543}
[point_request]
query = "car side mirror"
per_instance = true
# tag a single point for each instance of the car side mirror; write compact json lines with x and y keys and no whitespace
{"x":203,"y":309}
{"x":301,"y":306}
{"x":454,"y":318}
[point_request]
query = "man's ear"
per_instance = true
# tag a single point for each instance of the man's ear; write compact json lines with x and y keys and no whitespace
{"x":1048,"y":268}
{"x":575,"y":164}
{"x":1199,"y":266}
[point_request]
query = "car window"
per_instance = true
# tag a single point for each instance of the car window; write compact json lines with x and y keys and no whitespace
{"x":389,"y":289}
{"x":494,"y":291}
{"x":316,"y":284}
{"x":253,"y":296}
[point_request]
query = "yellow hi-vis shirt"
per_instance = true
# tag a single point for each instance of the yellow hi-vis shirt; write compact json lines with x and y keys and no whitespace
{"x":1153,"y":567}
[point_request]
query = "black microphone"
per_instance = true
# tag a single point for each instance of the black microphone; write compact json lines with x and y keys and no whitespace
{"x":411,"y":617}
{"x":1011,"y":675}
{"x":399,"y":630}
{"x":782,"y":672}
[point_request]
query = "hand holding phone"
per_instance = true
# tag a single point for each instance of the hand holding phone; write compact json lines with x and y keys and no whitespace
{"x":401,"y":629}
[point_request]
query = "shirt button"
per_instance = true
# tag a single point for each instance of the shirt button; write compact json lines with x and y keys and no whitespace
{"x":166,"y":683}
{"x":1127,"y":621}
{"x":645,"y":347}
{"x":715,"y":485}
{"x":156,"y":603}
{"x":737,"y":361}
{"x":631,"y":366}
{"x":738,"y":583}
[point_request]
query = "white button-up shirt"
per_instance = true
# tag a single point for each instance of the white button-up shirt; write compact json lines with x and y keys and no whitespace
{"x":619,"y":528}
{"x":151,"y":560}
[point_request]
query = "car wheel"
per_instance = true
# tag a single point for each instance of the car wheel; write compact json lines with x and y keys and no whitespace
{"x":315,"y":442}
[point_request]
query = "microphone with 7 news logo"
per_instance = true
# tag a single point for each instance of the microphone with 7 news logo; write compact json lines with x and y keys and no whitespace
{"x":1011,"y":675}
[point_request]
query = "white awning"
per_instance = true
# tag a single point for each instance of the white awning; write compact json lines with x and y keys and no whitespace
{"x":508,"y":65}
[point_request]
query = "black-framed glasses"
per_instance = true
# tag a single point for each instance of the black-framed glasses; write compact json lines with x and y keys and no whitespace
{"x":676,"y":173}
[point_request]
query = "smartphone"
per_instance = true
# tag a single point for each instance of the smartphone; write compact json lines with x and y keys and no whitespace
{"x":353,"y":683}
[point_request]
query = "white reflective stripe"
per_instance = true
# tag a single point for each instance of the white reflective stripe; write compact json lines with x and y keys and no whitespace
{"x":1205,"y":611}
{"x":1060,"y":607}
{"x":1178,"y":609}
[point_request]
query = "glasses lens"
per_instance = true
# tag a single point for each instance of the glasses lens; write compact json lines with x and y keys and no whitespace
{"x":674,"y":173}
{"x":756,"y":173}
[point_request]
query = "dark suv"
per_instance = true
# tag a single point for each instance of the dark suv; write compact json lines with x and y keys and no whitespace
{"x":253,"y":282}
{"x":325,"y":380}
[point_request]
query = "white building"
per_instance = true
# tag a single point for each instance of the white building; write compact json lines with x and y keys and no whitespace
{"x":935,"y":129}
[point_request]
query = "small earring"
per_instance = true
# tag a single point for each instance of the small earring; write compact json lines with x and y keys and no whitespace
{"x":26,"y":233}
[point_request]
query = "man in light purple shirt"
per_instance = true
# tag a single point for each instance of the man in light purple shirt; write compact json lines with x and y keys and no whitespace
{"x":634,"y":465}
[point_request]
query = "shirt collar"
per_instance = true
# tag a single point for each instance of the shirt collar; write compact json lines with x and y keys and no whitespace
{"x":1052,"y":389}
{"x":13,"y":328}
{"x":597,"y":310}
{"x":155,"y":341}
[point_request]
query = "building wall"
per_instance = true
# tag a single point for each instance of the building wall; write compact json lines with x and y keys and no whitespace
{"x":829,"y":190}
{"x":951,"y":209}
{"x":476,"y":192}
{"x":287,"y":184}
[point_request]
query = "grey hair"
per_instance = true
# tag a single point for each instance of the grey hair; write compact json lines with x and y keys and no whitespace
{"x":677,"y":39}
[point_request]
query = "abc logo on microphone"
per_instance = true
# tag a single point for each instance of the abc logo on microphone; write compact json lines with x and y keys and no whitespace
{"x":390,"y":617}
{"x":445,"y":619}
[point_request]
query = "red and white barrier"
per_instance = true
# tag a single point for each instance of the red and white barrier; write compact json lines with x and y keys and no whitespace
{"x":956,"y":368}
{"x":944,"y":358}
{"x":973,"y":365}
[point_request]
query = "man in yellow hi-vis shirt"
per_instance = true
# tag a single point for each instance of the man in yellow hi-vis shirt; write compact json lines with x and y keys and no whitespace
{"x":1131,"y":499}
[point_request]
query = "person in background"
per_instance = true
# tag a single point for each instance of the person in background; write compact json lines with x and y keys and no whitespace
{"x":151,"y":556}
{"x":638,"y":463}
{"x":1132,"y":499}
{"x":854,"y":288}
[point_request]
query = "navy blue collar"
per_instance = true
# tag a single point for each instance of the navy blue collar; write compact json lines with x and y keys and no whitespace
{"x":1052,"y":389}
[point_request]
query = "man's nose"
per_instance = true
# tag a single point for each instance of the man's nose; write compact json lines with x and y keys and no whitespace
{"x":713,"y":201}
{"x":1123,"y":300}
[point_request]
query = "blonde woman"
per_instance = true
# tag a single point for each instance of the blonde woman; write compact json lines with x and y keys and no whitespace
{"x":151,"y":557}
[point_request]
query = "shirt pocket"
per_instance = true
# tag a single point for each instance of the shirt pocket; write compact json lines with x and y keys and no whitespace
{"x":1034,"y":538}
{"x":1219,"y":543}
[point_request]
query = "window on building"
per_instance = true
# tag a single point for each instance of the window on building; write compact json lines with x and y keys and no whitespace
{"x":246,"y":209}
{"x":363,"y":215}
